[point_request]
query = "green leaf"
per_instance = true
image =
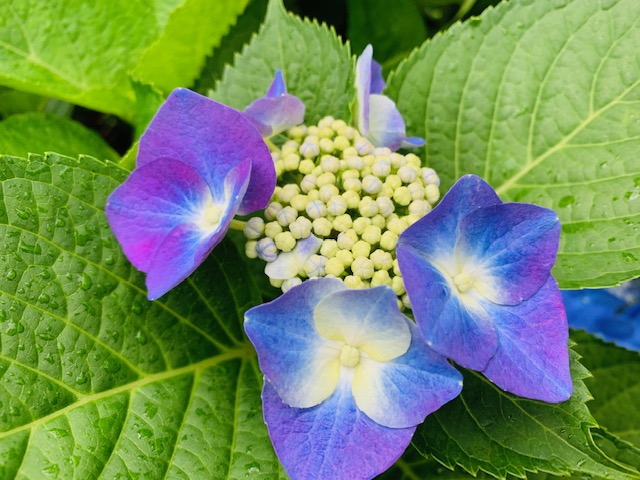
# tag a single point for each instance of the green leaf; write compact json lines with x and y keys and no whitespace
{"x":14,"y":101}
{"x":40,"y":133}
{"x":487,"y":429}
{"x":543,"y":100}
{"x":97,"y":382}
{"x":393,"y":32}
{"x":317,"y":67}
{"x":615,"y":385}
{"x":248,"y":23}
{"x":191,"y":31}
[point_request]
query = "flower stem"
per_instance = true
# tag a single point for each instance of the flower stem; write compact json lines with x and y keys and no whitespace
{"x":237,"y":224}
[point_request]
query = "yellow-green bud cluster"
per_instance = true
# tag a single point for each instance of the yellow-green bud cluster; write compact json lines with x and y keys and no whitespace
{"x":333,"y":183}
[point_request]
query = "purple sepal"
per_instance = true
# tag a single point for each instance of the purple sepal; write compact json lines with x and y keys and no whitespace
{"x":331,"y":440}
{"x":212,"y":138}
{"x":377,"y":81}
{"x":277,"y":111}
{"x":532,"y":359}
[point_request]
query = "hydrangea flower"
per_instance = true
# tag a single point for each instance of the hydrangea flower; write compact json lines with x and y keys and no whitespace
{"x":477,"y":272}
{"x":199,"y":163}
{"x":612,"y":314}
{"x":377,"y":117}
{"x":347,"y":378}
{"x":277,"y":111}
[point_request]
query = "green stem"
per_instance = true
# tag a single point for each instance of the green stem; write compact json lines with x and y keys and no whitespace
{"x":237,"y":224}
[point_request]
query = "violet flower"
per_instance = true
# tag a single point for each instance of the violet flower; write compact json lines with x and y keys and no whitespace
{"x":377,"y":117}
{"x":199,"y":163}
{"x":277,"y":111}
{"x":347,"y":378}
{"x":477,"y":272}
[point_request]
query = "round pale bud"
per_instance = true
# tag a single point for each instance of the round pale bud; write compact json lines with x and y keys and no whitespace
{"x":290,"y":283}
{"x":345,"y":256}
{"x":353,"y":281}
{"x":308,"y":183}
{"x":300,"y":229}
{"x":275,"y":156}
{"x":430,"y":177}
{"x":326,"y":122}
{"x":276,"y":282}
{"x":347,"y":239}
{"x":362,"y":267}
{"x":432,"y":193}
{"x":411,"y":219}
{"x":316,"y":209}
{"x":314,"y":266}
{"x":396,"y":225}
{"x":380,"y":277}
{"x":397,"y":284}
{"x":416,"y":189}
{"x":363,"y":146}
{"x":326,"y":178}
{"x":325,"y":132}
{"x":312,"y":131}
{"x":338,"y":125}
{"x":351,"y":133}
{"x":393,"y":181}
{"x":402,"y":196}
{"x":292,"y":147}
{"x":313,"y":195}
{"x":286,"y":193}
{"x":419,"y":208}
{"x":326,"y":145}
{"x":309,"y":149}
{"x":396,"y":268}
{"x":297,"y":132}
{"x":328,"y":191}
{"x":287,"y":216}
{"x":407,"y":174}
{"x":267,"y":250}
{"x":306,"y":166}
{"x":386,"y":191}
{"x":357,"y":163}
{"x":372,"y":234}
{"x":342,"y":223}
{"x":330,"y":164}
{"x":371,"y":184}
{"x":385,"y":206}
{"x":413,"y":160}
{"x":250,"y":249}
{"x":271,"y":229}
{"x":361,"y":249}
{"x":381,"y":151}
{"x":341,"y":143}
{"x":381,"y":260}
{"x":369,"y":160}
{"x":317,"y":171}
{"x":291,"y":162}
{"x":351,"y":184}
{"x":254,"y":228}
{"x":322,"y":227}
{"x":352,"y":198}
{"x":360,"y":223}
{"x":367,"y":207}
{"x":328,"y":248}
{"x":334,"y":267}
{"x":351,"y":173}
{"x":299,"y":202}
{"x":381,"y":168}
{"x":285,"y":241}
{"x":388,"y":240}
{"x":349,"y":152}
{"x":337,"y":206}
{"x":406,"y":302}
{"x":379,"y":221}
{"x":279,"y":167}
{"x":397,"y":160}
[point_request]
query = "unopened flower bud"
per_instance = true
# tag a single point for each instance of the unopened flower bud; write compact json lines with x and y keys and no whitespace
{"x":413,"y":160}
{"x":419,"y":208}
{"x":299,"y":202}
{"x":300,"y":229}
{"x":372,"y":234}
{"x":380,"y":277}
{"x":362,"y":267}
{"x":338,"y":125}
{"x":271,"y":229}
{"x":349,"y":152}
{"x":313,"y":195}
{"x":254,"y":228}
{"x":353,"y":281}
{"x":371,"y":184}
{"x":330,"y":164}
{"x":309,"y":149}
{"x":363,"y":146}
{"x":287,"y":216}
{"x":396,"y":225}
{"x":367,"y":207}
{"x":306,"y":166}
{"x":326,"y":178}
{"x":381,"y":152}
{"x":308,"y":183}
{"x":271,"y":212}
{"x":342,"y":223}
{"x":347,"y":239}
{"x":329,"y":248}
{"x":379,"y":221}
{"x":352,"y":198}
{"x":341,"y":143}
{"x":386,"y":191}
{"x":328,"y":191}
{"x":297,"y":132}
{"x":407,"y":174}
{"x":291,"y":162}
{"x":351,"y":184}
{"x":397,"y":284}
{"x":396,"y":268}
{"x":406,"y":302}
{"x":416,"y":189}
{"x":381,"y":260}
{"x":316,"y":209}
{"x":397,"y":160}
{"x":290,"y":283}
{"x":326,"y":122}
{"x":388,"y":240}
{"x":411,"y":219}
{"x":402,"y":196}
{"x":385,"y":206}
{"x":360,"y":223}
{"x":285,"y":241}
{"x":314,"y":266}
{"x":393,"y":181}
{"x":334,"y":267}
{"x":267,"y":250}
{"x":326,"y":145}
{"x":355,"y":163}
{"x":432,"y":193}
{"x":361,"y":249}
{"x":286,"y":193}
{"x":430,"y":177}
{"x":322,"y":227}
{"x":276,"y":282}
{"x":279,"y":167}
{"x":345,"y":256}
{"x":250,"y":249}
{"x":381,"y":168}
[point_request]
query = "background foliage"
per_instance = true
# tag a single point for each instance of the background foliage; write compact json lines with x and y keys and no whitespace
{"x":541,"y":98}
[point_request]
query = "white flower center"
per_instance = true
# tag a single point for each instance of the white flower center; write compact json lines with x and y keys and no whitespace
{"x":463,"y":281}
{"x":349,"y":356}
{"x":210,"y":217}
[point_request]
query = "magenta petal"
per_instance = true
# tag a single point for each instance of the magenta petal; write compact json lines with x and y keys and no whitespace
{"x":515,"y":246}
{"x":449,"y":328}
{"x":533,"y":357}
{"x":212,"y":138}
{"x":333,"y":440}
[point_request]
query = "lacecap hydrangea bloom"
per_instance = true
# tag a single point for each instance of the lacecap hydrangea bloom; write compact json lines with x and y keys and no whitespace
{"x":347,"y":379}
{"x":477,"y":272}
{"x":199,"y":163}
